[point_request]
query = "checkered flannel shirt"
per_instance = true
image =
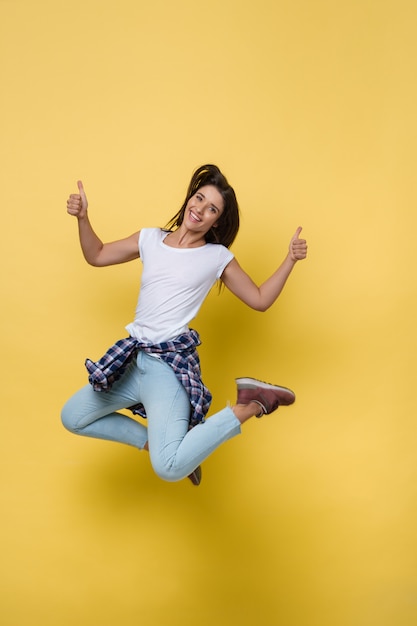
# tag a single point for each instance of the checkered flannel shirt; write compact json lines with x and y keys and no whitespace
{"x":180,"y":353}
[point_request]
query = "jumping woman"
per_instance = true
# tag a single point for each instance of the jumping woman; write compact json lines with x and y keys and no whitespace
{"x":155,"y":370}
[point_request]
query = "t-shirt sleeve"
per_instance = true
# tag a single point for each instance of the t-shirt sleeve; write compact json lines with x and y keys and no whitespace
{"x":225,"y":258}
{"x":144,"y":236}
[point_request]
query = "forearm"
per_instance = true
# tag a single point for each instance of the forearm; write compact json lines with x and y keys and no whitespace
{"x":91,"y":244}
{"x":94,"y":250}
{"x":257,"y":297}
{"x":270,"y":290}
{"x":261,"y":298}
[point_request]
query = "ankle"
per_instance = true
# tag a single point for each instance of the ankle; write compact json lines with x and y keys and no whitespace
{"x":243,"y":412}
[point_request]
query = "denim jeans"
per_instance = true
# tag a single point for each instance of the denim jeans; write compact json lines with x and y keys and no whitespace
{"x":174,"y":450}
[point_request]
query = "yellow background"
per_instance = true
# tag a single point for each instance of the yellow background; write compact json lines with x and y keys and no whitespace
{"x":309,"y":106}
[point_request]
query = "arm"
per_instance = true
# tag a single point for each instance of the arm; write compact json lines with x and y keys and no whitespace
{"x":94,"y":250}
{"x":262,"y":297}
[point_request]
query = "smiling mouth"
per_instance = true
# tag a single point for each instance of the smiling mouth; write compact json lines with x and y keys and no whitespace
{"x":194,"y":217}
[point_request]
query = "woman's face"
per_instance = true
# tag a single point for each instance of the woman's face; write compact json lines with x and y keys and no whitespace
{"x":204,"y":209}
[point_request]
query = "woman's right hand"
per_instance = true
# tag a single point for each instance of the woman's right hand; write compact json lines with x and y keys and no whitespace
{"x":77,"y":204}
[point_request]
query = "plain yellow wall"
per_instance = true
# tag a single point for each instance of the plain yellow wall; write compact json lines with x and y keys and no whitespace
{"x":309,"y":106}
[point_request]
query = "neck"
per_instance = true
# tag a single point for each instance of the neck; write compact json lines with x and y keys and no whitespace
{"x":183,"y":238}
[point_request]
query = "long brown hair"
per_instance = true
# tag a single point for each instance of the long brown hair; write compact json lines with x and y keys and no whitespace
{"x":228,"y":223}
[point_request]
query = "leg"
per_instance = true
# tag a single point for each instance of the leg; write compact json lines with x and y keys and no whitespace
{"x":93,"y":414}
{"x":175,"y":451}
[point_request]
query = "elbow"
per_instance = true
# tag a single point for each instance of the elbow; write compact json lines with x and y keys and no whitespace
{"x":261,"y":307}
{"x":94,"y":261}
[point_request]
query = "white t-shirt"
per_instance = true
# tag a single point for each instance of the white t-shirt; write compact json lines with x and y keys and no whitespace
{"x":175,"y":282}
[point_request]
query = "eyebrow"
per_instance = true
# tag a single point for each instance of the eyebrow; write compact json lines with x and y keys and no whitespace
{"x":212,"y":203}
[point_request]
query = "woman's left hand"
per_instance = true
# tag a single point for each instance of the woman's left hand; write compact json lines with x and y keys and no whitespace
{"x":298,"y":247}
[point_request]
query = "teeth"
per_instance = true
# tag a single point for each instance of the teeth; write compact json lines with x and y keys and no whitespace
{"x":194,"y":216}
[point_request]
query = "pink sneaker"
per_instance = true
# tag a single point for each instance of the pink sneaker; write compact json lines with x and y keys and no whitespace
{"x":269,"y":397}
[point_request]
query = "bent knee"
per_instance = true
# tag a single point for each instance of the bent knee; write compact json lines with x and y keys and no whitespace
{"x":166,"y":471}
{"x":68,"y":419}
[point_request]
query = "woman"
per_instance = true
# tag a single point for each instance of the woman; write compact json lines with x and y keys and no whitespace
{"x":156,"y":370}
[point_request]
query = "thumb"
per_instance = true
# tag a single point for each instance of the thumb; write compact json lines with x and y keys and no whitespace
{"x":80,"y":187}
{"x":82,"y":193}
{"x":297,"y":232}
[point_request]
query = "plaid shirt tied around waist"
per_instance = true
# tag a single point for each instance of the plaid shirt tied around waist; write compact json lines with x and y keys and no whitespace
{"x":180,"y":353}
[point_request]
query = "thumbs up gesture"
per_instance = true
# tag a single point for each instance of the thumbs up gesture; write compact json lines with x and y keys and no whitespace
{"x":77,"y":202}
{"x":297,"y":247}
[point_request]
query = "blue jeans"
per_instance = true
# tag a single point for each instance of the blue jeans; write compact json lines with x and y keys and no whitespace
{"x":174,"y":450}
